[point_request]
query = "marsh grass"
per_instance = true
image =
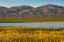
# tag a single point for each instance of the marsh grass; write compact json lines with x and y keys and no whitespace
{"x":31,"y":34}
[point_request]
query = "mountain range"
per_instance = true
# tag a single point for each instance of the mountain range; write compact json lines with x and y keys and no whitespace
{"x":24,"y":10}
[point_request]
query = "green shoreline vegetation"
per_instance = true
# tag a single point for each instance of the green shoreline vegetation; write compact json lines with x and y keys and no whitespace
{"x":31,"y":34}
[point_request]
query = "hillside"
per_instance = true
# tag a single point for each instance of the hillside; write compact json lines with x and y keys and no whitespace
{"x":48,"y":12}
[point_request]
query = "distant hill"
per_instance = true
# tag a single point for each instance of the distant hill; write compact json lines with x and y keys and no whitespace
{"x":48,"y":9}
{"x":24,"y":13}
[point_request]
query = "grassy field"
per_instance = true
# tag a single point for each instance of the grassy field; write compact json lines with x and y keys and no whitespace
{"x":32,"y":19}
{"x":31,"y":34}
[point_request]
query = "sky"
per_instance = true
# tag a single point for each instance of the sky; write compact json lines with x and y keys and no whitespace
{"x":33,"y":3}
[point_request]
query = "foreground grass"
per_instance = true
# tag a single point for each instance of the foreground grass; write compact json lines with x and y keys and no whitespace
{"x":31,"y":34}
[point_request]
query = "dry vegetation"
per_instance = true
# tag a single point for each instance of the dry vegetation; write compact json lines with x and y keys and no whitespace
{"x":31,"y":34}
{"x":33,"y":19}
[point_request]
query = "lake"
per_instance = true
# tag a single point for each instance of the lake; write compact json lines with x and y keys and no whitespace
{"x":42,"y":24}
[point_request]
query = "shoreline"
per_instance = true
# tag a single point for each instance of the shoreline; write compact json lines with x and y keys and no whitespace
{"x":34,"y":22}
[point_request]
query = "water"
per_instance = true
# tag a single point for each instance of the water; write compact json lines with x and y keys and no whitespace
{"x":43,"y":24}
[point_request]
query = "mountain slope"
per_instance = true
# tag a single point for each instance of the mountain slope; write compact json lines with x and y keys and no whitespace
{"x":48,"y":9}
{"x":24,"y":13}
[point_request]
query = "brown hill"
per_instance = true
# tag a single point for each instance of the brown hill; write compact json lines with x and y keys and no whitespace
{"x":48,"y":9}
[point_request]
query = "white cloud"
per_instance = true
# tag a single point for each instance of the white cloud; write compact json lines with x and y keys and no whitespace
{"x":5,"y":5}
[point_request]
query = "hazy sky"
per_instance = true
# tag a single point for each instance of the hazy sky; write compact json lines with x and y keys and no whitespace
{"x":33,"y":3}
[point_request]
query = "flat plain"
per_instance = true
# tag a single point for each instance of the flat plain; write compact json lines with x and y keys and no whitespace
{"x":20,"y":19}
